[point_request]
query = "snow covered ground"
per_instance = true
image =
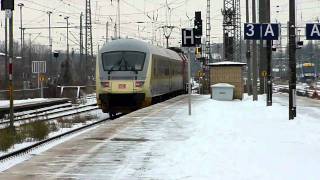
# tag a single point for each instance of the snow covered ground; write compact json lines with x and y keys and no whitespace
{"x":241,"y":140}
{"x":222,"y":140}
{"x":9,"y":163}
{"x":5,"y":103}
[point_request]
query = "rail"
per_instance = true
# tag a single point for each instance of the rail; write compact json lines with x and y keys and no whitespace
{"x":301,"y":91}
{"x":44,"y":115}
{"x":40,"y":143}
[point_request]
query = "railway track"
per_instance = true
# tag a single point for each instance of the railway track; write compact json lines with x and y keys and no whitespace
{"x":49,"y":140}
{"x":23,"y":114}
{"x":300,"y":91}
{"x":51,"y":113}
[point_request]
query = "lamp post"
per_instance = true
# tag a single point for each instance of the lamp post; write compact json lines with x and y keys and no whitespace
{"x":67,"y":19}
{"x":21,"y":41}
{"x":21,"y":33}
{"x":50,"y":43}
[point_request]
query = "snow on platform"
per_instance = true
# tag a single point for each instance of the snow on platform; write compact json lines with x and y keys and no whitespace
{"x":221,"y":140}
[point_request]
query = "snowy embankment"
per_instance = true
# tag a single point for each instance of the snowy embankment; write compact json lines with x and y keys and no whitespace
{"x":241,"y":140}
{"x":6,"y":103}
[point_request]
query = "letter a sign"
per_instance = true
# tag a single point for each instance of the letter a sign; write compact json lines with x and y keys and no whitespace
{"x":188,"y":37}
{"x":261,"y":31}
{"x":313,"y":31}
{"x":270,"y":31}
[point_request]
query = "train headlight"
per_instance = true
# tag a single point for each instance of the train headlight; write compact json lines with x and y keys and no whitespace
{"x":105,"y":84}
{"x":139,"y":83}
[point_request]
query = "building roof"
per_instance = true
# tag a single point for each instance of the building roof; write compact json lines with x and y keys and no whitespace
{"x":223,"y":85}
{"x":227,"y":63}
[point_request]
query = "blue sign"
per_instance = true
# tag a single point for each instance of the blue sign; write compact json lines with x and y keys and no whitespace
{"x":261,"y":31}
{"x":270,"y":31}
{"x":313,"y":31}
{"x":252,"y":31}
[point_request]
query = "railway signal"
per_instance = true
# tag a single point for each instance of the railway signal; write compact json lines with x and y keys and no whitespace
{"x":197,"y":27}
{"x":7,"y":5}
{"x":198,"y":24}
{"x":39,"y":67}
{"x":198,"y":52}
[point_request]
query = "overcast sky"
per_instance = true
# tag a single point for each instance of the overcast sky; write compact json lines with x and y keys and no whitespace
{"x":133,"y":11}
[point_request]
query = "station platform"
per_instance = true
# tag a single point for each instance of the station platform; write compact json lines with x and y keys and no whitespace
{"x":221,"y":140}
{"x":30,"y":104}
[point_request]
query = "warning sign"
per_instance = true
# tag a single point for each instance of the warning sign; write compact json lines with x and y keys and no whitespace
{"x":264,"y":73}
{"x":42,"y":77}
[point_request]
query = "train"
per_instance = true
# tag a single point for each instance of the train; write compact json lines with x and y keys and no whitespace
{"x":306,"y":72}
{"x":132,"y":74}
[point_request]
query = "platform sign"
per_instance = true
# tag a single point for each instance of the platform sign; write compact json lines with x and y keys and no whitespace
{"x":188,"y":38}
{"x":252,"y":31}
{"x":39,"y":67}
{"x":313,"y":31}
{"x":269,"y":31}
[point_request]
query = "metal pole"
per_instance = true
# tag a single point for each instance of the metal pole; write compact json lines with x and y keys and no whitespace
{"x":6,"y":52}
{"x":67,"y":18}
{"x":21,"y":40}
{"x":115,"y":31}
{"x":269,"y":59}
{"x":249,"y":81}
{"x":30,"y":58}
{"x":269,"y":74}
{"x":38,"y":80}
{"x":86,"y":42}
{"x":254,"y":57}
{"x":21,"y":36}
{"x":262,"y":67}
{"x":292,"y":59}
{"x":81,"y":48}
{"x":107,"y":31}
{"x":23,"y":29}
{"x":11,"y":69}
{"x":50,"y":42}
{"x":41,"y":87}
{"x":189,"y":81}
{"x":167,"y":37}
{"x":119,"y":18}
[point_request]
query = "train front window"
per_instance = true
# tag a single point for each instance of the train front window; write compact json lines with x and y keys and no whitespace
{"x":308,"y":69}
{"x":123,"y":61}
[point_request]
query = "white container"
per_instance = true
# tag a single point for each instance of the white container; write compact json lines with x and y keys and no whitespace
{"x":222,"y":92}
